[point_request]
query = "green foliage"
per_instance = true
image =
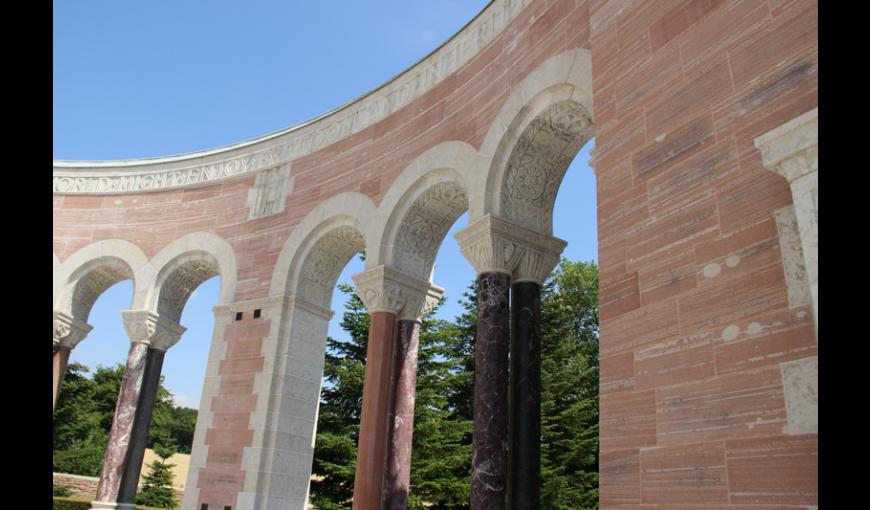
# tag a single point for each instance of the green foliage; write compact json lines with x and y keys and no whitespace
{"x":340,"y":409}
{"x":441,"y":460}
{"x":60,"y":490}
{"x":62,"y":503}
{"x":85,"y":461}
{"x":157,"y":488}
{"x":83,"y":418}
{"x":569,"y":387}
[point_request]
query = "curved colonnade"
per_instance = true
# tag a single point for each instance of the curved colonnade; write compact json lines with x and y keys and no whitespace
{"x":488,"y":123}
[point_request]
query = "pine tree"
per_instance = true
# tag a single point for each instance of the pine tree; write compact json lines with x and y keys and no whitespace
{"x":340,"y":409}
{"x":569,"y":392}
{"x":157,"y":488}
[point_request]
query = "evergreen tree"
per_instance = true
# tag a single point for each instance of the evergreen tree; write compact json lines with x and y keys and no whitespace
{"x":340,"y":409}
{"x":83,"y":418}
{"x":157,"y":488}
{"x":569,"y":387}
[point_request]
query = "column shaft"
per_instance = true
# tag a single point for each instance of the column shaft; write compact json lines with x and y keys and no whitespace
{"x":122,"y":424}
{"x":374,"y":422}
{"x":141,"y":426}
{"x":398,"y":480}
{"x":525,"y":397}
{"x":61,"y":358}
{"x":490,"y":435}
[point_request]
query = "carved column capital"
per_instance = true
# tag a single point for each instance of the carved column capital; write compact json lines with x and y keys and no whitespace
{"x":68,"y":331}
{"x":792,"y":149}
{"x":147,"y":327}
{"x":495,"y":245}
{"x":386,"y":290}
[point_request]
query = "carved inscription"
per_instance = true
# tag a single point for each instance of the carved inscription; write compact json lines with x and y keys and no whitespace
{"x":313,"y":135}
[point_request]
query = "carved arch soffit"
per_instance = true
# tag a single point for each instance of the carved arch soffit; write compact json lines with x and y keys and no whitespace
{"x":178,"y":283}
{"x":424,"y":226}
{"x":538,"y":162}
{"x":324,"y":262}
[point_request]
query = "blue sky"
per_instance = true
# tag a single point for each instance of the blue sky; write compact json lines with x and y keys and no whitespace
{"x":146,"y":79}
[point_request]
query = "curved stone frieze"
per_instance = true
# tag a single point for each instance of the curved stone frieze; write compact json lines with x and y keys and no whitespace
{"x":271,"y":151}
{"x":538,"y":163}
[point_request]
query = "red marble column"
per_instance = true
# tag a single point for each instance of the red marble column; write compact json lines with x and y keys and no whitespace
{"x":398,"y":476}
{"x":141,"y":426}
{"x":374,"y":431}
{"x":61,"y":358}
{"x":490,"y":435}
{"x":122,"y":425}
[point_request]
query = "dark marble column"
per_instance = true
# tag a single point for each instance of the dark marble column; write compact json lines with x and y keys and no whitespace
{"x":398,"y":479}
{"x":61,"y":358}
{"x":374,"y":423}
{"x":141,"y":426}
{"x":524,"y":485}
{"x":489,"y":452}
{"x":122,"y":424}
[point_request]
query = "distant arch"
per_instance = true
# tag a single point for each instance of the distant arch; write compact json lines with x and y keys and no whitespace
{"x":182,"y":265}
{"x":87,"y":273}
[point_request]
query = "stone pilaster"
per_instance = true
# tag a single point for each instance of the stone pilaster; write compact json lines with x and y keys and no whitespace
{"x":67,"y":333}
{"x":123,"y":459}
{"x":502,"y":252}
{"x":397,"y":303}
{"x":792,"y":151}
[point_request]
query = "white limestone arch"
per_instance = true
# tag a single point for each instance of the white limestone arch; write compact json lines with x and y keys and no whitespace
{"x":333,"y":231}
{"x":420,"y":206}
{"x":87,"y":273}
{"x":563,"y":78}
{"x":183,"y":265}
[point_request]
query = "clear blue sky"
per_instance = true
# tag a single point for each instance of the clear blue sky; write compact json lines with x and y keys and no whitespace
{"x":146,"y":79}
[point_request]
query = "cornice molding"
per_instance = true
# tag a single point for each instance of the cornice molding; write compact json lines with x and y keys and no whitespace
{"x":277,"y":149}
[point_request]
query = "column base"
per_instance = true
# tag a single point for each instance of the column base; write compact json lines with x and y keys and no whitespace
{"x":102,"y":505}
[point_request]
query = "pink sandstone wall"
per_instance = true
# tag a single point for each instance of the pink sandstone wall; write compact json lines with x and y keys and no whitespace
{"x":681,"y":89}
{"x":690,"y":415}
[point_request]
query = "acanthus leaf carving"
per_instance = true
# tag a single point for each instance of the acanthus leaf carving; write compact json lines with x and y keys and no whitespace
{"x":496,"y":245}
{"x":68,"y":331}
{"x":149,"y":328}
{"x":383,"y":289}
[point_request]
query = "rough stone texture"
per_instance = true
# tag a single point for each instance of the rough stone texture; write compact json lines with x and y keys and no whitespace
{"x":398,"y":474}
{"x":800,"y":382}
{"x":490,"y":435}
{"x":524,"y":483}
{"x":695,"y":307}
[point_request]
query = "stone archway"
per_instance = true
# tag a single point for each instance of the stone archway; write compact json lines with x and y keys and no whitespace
{"x":702,"y":288}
